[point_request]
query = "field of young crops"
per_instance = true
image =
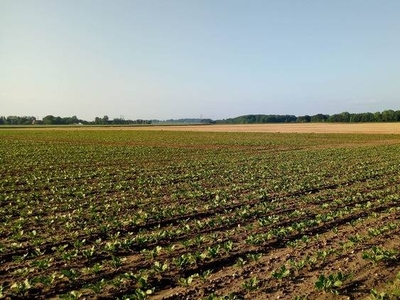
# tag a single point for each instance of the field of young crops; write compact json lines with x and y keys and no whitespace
{"x":110,"y":214}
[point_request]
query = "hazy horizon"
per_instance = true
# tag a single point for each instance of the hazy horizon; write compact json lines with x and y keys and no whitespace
{"x":191,"y":59}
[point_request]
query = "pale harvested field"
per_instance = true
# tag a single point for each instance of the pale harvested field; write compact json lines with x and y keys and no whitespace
{"x":361,"y":128}
{"x":367,"y":128}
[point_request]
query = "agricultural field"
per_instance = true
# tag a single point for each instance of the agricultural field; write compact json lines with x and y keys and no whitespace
{"x":134,"y":214}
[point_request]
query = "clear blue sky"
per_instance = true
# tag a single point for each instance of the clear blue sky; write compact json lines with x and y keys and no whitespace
{"x":185,"y":58}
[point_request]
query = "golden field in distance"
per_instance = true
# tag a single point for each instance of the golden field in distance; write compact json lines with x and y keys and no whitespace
{"x":360,"y":128}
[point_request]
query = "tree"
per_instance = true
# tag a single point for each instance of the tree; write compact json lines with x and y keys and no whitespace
{"x":388,"y":116}
{"x":367,"y":117}
{"x":70,"y":120}
{"x":345,"y":117}
{"x":303,"y":119}
{"x":49,"y":120}
{"x":319,"y":118}
{"x":377,"y":117}
{"x":342,"y":117}
{"x":12,"y":120}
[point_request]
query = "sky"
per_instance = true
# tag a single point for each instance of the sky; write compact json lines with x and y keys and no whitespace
{"x":163,"y":59}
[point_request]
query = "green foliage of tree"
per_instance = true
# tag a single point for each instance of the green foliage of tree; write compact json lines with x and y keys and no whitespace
{"x":52,"y":120}
{"x":344,"y":117}
{"x":260,"y":119}
{"x":15,"y":120}
{"x":385,"y":116}
{"x":304,"y":119}
{"x":319,"y":118}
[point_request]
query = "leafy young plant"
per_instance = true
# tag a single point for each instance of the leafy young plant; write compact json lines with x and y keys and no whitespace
{"x":228,"y":246}
{"x":281,"y":273}
{"x":251,"y":284}
{"x":116,"y":261}
{"x":205,"y":275}
{"x":330,"y":283}
{"x":89,"y":253}
{"x":376,"y":254}
{"x":73,"y":295}
{"x":213,"y":251}
{"x":323,"y":254}
{"x":254,"y":256}
{"x":22,"y":288}
{"x":375,"y":295}
{"x":42,"y":263}
{"x":187,"y":281}
{"x":160,"y":267}
{"x":142,"y":295}
{"x":97,"y":287}
{"x":297,"y":265}
{"x":240,"y":262}
{"x":71,"y":274}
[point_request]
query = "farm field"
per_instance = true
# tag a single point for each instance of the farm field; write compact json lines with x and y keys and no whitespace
{"x":136,"y":214}
{"x":364,"y":128}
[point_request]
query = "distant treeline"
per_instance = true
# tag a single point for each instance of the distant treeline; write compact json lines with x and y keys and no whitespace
{"x":344,"y":117}
{"x":117,"y":121}
{"x":184,"y":121}
{"x":52,"y":120}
